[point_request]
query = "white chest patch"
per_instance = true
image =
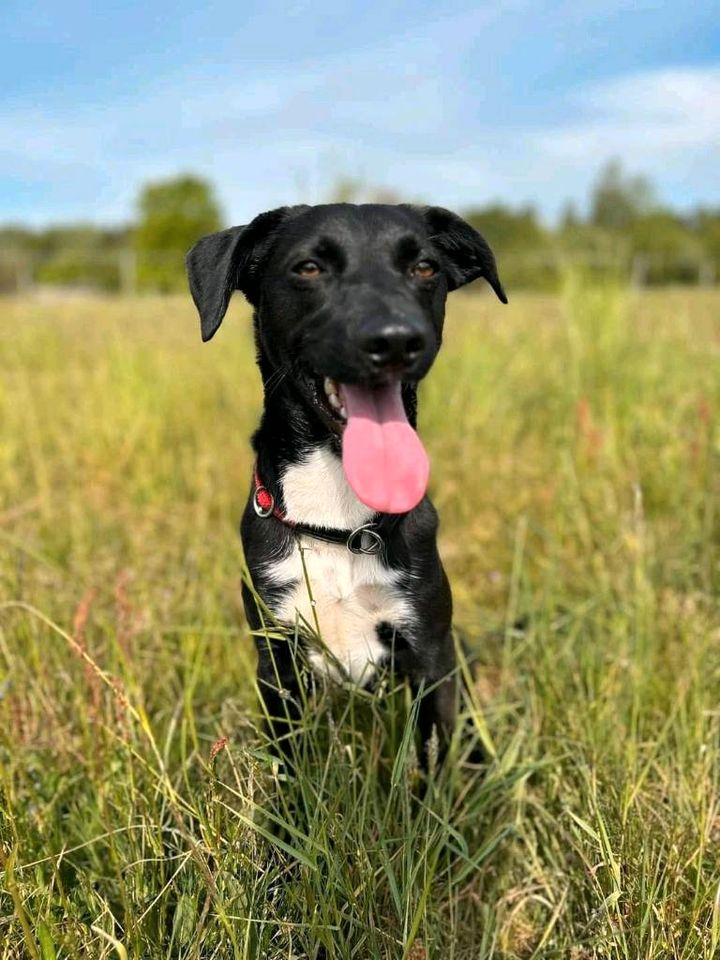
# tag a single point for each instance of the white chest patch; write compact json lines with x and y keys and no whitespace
{"x":340,"y":596}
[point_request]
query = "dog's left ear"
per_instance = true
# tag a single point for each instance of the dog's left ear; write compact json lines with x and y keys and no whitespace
{"x":226,"y":261}
{"x":467,"y":252}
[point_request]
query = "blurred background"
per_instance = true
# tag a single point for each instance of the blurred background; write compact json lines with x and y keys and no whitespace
{"x":583,"y":135}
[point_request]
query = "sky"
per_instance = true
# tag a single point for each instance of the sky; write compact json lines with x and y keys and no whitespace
{"x":457,"y":104}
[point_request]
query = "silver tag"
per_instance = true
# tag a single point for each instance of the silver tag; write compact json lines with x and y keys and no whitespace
{"x":365,"y":541}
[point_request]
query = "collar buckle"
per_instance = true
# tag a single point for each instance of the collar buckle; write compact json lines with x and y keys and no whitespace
{"x":365,"y":541}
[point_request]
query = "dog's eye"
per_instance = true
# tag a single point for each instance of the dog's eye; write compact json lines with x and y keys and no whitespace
{"x":308,"y":268}
{"x":424,"y":270}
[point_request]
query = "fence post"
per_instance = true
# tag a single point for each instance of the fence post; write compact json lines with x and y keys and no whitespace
{"x":127,"y":270}
{"x":638,"y":270}
{"x":24,"y":274}
{"x":706,"y":273}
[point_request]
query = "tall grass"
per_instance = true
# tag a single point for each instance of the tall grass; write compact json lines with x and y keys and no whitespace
{"x":575,"y":456}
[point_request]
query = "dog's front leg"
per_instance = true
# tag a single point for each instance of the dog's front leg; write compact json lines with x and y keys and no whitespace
{"x":437,"y":714}
{"x":279,"y":682}
{"x":282,"y":696}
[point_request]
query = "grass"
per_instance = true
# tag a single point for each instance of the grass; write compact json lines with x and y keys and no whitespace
{"x":576,"y":458}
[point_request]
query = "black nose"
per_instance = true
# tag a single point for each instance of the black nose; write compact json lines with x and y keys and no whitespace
{"x":394,"y":345}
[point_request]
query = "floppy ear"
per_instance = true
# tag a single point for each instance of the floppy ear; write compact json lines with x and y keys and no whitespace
{"x":467,"y":253}
{"x":226,"y":261}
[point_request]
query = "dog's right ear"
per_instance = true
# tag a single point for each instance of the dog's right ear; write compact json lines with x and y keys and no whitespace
{"x":226,"y":261}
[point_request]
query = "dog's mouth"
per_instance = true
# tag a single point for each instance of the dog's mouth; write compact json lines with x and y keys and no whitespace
{"x":383,"y":458}
{"x":329,"y":395}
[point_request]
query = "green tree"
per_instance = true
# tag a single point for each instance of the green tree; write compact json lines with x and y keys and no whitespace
{"x":671,"y":250}
{"x":619,"y":199}
{"x":705,"y":223}
{"x":76,"y":255}
{"x":508,"y":229}
{"x":524,"y":248}
{"x":173,"y":214}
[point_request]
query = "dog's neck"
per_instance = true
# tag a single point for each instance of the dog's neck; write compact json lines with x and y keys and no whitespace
{"x":299,"y":458}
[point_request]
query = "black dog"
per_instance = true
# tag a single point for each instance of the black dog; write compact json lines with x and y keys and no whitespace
{"x":338,"y":535}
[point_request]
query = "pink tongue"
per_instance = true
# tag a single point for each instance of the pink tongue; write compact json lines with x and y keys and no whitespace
{"x":384,"y":461}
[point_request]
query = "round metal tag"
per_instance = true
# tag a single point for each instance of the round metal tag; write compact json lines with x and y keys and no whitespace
{"x":365,"y":541}
{"x":259,"y":509}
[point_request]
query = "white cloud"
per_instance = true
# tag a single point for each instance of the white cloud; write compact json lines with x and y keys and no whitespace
{"x":263,"y":135}
{"x":391,"y":114}
{"x":643,"y":117}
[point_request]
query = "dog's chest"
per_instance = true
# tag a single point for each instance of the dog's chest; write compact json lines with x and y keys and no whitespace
{"x":340,"y":596}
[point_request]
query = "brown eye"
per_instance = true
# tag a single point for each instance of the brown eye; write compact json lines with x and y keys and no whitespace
{"x":423,"y":269}
{"x":308,"y":269}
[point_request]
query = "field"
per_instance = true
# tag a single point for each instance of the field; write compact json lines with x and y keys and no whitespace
{"x":576,"y":467}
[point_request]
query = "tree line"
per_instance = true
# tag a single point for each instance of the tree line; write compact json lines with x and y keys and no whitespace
{"x":625,"y":231}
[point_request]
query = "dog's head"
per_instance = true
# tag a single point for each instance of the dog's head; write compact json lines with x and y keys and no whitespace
{"x":351,"y":299}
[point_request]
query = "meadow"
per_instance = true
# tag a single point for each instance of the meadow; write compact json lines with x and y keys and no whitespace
{"x":576,"y":467}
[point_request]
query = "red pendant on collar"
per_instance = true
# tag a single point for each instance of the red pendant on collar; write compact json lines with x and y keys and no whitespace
{"x":264,"y":501}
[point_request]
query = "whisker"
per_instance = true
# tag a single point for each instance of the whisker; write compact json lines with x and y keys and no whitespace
{"x":274,"y":381}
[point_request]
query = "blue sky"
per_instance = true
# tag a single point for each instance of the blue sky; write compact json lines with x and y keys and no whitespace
{"x":452,"y":103}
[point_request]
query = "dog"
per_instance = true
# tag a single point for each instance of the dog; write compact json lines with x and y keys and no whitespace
{"x":338,"y":533}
